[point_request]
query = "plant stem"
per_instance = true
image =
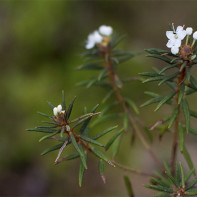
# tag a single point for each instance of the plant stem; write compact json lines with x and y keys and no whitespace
{"x":176,"y":125}
{"x":133,"y":171}
{"x":127,"y":109}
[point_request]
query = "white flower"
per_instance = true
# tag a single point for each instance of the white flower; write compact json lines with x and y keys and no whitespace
{"x":173,"y":43}
{"x":105,"y":30}
{"x":174,"y":50}
{"x":195,"y":35}
{"x":93,"y":39}
{"x":189,"y":31}
{"x":59,"y":108}
{"x":55,"y":111}
{"x":179,"y":34}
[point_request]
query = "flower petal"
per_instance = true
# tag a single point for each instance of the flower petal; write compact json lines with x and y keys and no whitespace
{"x":179,"y":28}
{"x":177,"y":43}
{"x":169,"y":44}
{"x":174,"y":50}
{"x":169,"y":34}
{"x":181,"y":34}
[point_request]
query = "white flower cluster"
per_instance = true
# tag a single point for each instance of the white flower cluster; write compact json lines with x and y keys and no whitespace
{"x":57,"y":110}
{"x":97,"y":36}
{"x":175,"y":37}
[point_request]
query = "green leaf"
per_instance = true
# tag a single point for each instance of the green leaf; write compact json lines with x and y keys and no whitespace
{"x":153,"y":100}
{"x":173,"y":117}
{"x":193,"y":131}
{"x":102,"y":74}
{"x":46,"y":115}
{"x":89,"y":140}
{"x":152,"y":94}
{"x":44,"y":130}
{"x":181,"y":93}
{"x":156,"y":51}
{"x":193,"y":82}
{"x":91,"y":66}
{"x":47,"y":136}
{"x":50,"y":105}
{"x":168,"y":67}
{"x":189,"y":174}
{"x":105,"y":118}
{"x":183,"y":66}
{"x":188,"y":159}
{"x":108,"y":108}
{"x":71,"y":156}
{"x":63,"y":101}
{"x":192,"y":192}
{"x":104,"y":132}
{"x":186,"y":112}
{"x":150,"y":74}
{"x":85,"y":124}
{"x":182,"y":176}
{"x":168,"y":78}
{"x":100,"y":155}
{"x":116,"y":145}
{"x":193,"y":113}
{"x":159,"y":188}
{"x":110,"y":142}
{"x":165,"y":100}
{"x":161,"y":57}
{"x":81,"y":171}
{"x":128,"y":186}
{"x":168,"y":173}
{"x":82,"y":155}
{"x":107,"y":96}
{"x":53,"y":148}
{"x":181,"y":138}
{"x":191,"y":184}
{"x":101,"y":170}
{"x":159,"y":182}
{"x":70,"y":109}
{"x":132,"y":105}
{"x":153,"y":79}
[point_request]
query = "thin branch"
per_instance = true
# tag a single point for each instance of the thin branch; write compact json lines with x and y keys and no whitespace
{"x":133,"y":171}
{"x":60,"y":151}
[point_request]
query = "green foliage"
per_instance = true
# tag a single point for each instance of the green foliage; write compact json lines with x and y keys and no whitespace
{"x":173,"y":185}
{"x":70,"y":133}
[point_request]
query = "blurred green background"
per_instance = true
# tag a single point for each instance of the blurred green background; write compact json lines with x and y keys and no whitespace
{"x":40,"y":43}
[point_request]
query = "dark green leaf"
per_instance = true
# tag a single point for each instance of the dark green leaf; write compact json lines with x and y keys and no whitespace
{"x":182,"y":176}
{"x":102,"y":74}
{"x":192,"y":192}
{"x":44,"y":130}
{"x":193,"y":131}
{"x":128,"y":186}
{"x":87,"y":139}
{"x":47,"y":136}
{"x":81,"y":171}
{"x":188,"y":158}
{"x":193,"y":82}
{"x":161,"y":57}
{"x":153,"y":100}
{"x":165,"y":100}
{"x":181,"y":93}
{"x":181,"y":138}
{"x":132,"y":105}
{"x":91,"y":66}
{"x":46,"y":115}
{"x":186,"y":112}
{"x":193,"y":113}
{"x":63,"y":101}
{"x":168,"y":67}
{"x":116,"y":145}
{"x":189,"y":174}
{"x":82,"y":155}
{"x":191,"y":184}
{"x":108,"y":108}
{"x":183,"y":66}
{"x":159,"y":188}
{"x":173,"y":117}
{"x":110,"y":142}
{"x":70,"y":109}
{"x":107,"y":96}
{"x":168,"y":78}
{"x":50,"y":105}
{"x":52,"y":149}
{"x":153,"y":79}
{"x":104,"y":132}
{"x":85,"y":124}
{"x":101,"y":170}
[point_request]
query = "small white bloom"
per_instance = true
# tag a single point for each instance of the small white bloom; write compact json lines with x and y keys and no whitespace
{"x":67,"y":128}
{"x":195,"y":35}
{"x":105,"y":30}
{"x":174,"y":50}
{"x":59,"y":108}
{"x":179,"y":34}
{"x":55,"y":111}
{"x":93,"y":39}
{"x":189,"y":31}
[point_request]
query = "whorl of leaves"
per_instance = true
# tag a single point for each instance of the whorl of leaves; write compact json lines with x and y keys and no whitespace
{"x":78,"y":135}
{"x":173,"y":186}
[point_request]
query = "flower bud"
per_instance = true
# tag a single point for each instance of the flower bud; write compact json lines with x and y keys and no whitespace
{"x":195,"y":35}
{"x":189,"y":31}
{"x":55,"y":111}
{"x":67,"y":128}
{"x":105,"y":30}
{"x":59,"y":108}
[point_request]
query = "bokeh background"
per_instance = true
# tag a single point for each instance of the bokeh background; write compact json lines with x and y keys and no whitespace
{"x":40,"y":43}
